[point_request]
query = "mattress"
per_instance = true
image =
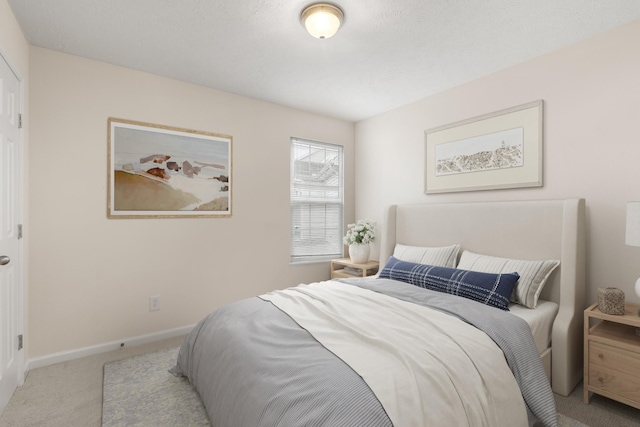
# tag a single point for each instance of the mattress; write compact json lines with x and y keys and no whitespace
{"x":539,"y":319}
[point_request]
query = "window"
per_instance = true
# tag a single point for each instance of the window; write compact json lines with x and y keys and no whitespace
{"x":317,"y":194}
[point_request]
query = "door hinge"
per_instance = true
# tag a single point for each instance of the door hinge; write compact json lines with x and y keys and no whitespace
{"x":19,"y":121}
{"x":19,"y":342}
{"x":19,"y":231}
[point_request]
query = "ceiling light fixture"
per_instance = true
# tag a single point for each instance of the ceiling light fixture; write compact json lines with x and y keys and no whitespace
{"x":322,"y":20}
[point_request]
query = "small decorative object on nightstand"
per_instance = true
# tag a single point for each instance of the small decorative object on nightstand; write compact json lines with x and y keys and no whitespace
{"x":612,"y":355}
{"x":611,"y":300}
{"x":344,"y":268}
{"x":632,"y":237}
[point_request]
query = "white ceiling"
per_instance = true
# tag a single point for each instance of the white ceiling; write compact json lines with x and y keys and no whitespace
{"x":387,"y":54}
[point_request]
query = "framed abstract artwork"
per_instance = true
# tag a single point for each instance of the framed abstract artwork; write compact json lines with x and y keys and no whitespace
{"x":493,"y":151}
{"x":157,"y":171}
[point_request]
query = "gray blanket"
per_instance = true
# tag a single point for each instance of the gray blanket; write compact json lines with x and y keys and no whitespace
{"x":254,"y":366}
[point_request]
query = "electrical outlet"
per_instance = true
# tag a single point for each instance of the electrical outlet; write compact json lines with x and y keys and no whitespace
{"x":154,"y":303}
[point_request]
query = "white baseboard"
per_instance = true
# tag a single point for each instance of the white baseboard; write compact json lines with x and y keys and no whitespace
{"x":64,"y":356}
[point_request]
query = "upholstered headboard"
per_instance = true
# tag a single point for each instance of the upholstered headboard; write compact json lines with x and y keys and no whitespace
{"x":530,"y":230}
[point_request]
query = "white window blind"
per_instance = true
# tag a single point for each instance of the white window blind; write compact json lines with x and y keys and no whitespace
{"x":317,"y":194}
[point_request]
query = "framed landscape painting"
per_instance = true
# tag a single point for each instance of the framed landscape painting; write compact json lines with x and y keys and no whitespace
{"x":497,"y":150}
{"x":157,"y":171}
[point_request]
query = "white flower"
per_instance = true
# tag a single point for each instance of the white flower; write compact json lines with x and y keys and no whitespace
{"x":360,"y":233}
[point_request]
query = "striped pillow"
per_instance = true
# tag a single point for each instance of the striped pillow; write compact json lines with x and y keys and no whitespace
{"x":533,"y":274}
{"x":445,"y":256}
{"x":486,"y":288}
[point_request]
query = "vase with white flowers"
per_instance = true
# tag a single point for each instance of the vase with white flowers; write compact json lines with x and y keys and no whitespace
{"x":358,"y":237}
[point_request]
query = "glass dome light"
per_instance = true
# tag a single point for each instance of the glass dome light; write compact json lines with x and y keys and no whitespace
{"x":322,"y":20}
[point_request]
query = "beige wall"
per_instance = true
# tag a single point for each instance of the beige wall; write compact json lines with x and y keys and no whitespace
{"x":591,"y":144}
{"x":12,"y":41}
{"x":91,"y":277}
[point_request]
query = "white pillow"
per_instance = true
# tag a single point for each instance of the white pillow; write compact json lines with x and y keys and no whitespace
{"x":445,"y":256}
{"x":533,"y":274}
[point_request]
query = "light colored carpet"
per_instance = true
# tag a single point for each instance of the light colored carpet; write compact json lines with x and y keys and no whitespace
{"x":69,"y":394}
{"x":600,"y":412}
{"x":564,"y":421}
{"x":140,"y":392}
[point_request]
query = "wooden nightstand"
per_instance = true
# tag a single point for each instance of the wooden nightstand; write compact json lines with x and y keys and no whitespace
{"x":344,"y":268}
{"x":612,"y":355}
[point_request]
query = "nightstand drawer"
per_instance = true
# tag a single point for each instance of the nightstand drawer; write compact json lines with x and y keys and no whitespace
{"x":612,"y":354}
{"x":615,"y":382}
{"x":614,"y":358}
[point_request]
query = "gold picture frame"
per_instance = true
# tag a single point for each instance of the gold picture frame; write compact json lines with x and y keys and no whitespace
{"x":494,"y":151}
{"x":157,"y":171}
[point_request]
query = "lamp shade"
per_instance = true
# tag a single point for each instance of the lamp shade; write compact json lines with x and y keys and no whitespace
{"x":632,"y":237}
{"x":322,"y":20}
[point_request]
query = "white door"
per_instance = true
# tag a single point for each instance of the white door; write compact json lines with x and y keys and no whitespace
{"x":11,"y":369}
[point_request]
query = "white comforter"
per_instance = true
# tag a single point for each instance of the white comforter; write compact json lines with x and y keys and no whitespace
{"x":424,"y":366}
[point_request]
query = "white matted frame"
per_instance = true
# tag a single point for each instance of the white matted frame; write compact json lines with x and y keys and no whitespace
{"x":157,"y":171}
{"x":494,"y":151}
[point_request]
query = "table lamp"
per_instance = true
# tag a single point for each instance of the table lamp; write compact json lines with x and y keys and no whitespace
{"x":633,"y":230}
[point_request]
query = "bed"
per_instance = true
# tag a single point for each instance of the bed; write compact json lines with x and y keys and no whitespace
{"x":380,"y":351}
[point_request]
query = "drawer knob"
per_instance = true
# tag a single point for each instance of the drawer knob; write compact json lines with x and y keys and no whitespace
{"x":601,"y":356}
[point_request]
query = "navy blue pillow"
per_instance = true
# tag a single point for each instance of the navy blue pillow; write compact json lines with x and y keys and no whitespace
{"x":486,"y":288}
